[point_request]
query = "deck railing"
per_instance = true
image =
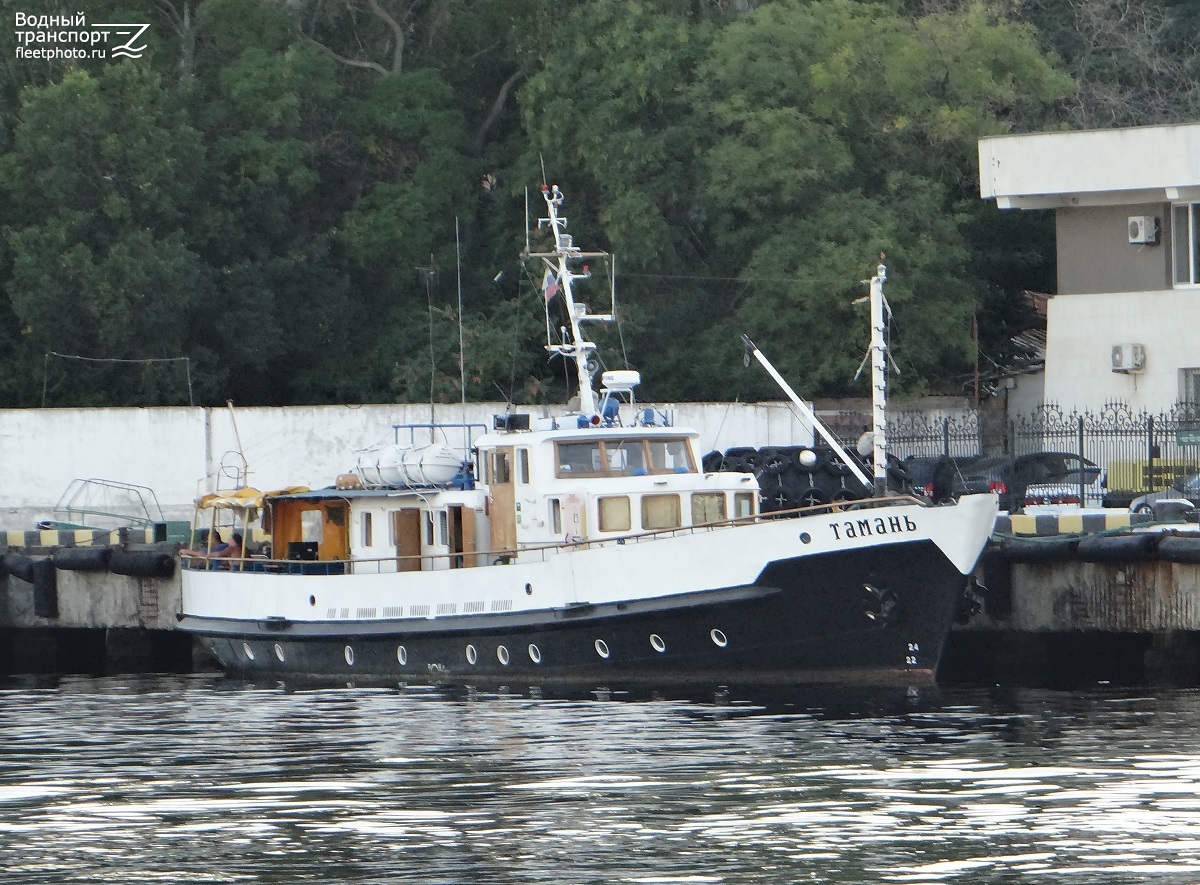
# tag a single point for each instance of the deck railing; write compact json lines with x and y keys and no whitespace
{"x":194,"y":561}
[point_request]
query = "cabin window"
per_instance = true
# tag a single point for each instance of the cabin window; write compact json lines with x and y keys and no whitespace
{"x":523,"y":465}
{"x":310,"y":525}
{"x":670,"y":456}
{"x":660,"y":512}
{"x":708,"y":507}
{"x":1185,"y":243}
{"x":743,"y":504}
{"x":555,"y":516}
{"x":614,"y":513}
{"x":428,"y":529}
{"x":501,"y":469}
{"x":367,"y":534}
{"x":579,"y":459}
{"x":443,"y":527}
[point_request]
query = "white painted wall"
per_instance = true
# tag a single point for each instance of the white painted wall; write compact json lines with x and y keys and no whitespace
{"x":1097,"y":167}
{"x":179,"y":452}
{"x":1082,"y":329}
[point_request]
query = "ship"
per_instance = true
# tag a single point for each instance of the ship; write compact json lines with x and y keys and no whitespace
{"x":587,"y":548}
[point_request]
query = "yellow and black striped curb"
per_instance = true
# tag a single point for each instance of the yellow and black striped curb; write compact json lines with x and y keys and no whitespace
{"x":1067,"y":523}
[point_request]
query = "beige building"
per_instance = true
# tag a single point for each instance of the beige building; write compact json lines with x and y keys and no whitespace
{"x":1124,"y":324}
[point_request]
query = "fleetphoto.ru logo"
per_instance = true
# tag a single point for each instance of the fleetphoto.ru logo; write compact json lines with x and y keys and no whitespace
{"x":70,"y":36}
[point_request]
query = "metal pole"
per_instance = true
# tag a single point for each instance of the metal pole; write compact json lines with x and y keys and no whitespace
{"x":808,"y":413}
{"x":1082,"y":484}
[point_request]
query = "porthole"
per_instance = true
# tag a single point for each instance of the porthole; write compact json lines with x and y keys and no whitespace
{"x":349,"y":656}
{"x":602,"y":648}
{"x":656,"y":643}
{"x":535,"y":653}
{"x":312,"y":600}
{"x":472,"y":655}
{"x":248,"y":650}
{"x":718,"y":638}
{"x":279,"y":652}
{"x":805,"y":538}
{"x":402,"y":655}
{"x":502,"y":655}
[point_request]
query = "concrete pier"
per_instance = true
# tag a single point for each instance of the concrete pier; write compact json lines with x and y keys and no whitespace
{"x":1060,"y":623}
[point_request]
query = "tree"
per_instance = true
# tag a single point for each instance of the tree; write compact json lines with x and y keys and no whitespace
{"x":100,"y":264}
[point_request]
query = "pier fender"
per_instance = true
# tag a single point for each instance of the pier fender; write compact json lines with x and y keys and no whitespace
{"x":19,"y":566}
{"x":142,"y":563}
{"x":1118,"y":548}
{"x":45,"y":588}
{"x":83,"y":559}
{"x":1179,"y":548}
{"x":1049,"y":549}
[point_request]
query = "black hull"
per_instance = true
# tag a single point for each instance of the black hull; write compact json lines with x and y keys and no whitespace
{"x":869,"y":616}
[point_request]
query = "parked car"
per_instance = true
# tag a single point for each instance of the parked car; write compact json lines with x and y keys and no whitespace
{"x":1182,"y":497}
{"x":1040,"y":477}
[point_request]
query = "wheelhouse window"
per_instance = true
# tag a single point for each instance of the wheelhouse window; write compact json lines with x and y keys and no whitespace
{"x":660,"y":512}
{"x":708,"y":507}
{"x":623,"y":457}
{"x":555,"y":516}
{"x":1185,"y":243}
{"x":614,"y":513}
{"x":523,"y":466}
{"x":669,"y":456}
{"x":367,"y":533}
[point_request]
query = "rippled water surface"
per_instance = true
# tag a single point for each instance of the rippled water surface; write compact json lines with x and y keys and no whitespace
{"x":200,"y":779}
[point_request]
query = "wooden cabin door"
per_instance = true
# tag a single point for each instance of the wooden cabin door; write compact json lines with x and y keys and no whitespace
{"x":503,"y":500}
{"x":406,"y":527}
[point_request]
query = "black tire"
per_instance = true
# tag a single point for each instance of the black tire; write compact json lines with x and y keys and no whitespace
{"x":814,"y":497}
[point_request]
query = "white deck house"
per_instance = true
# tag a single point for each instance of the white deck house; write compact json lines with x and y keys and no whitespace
{"x":1125,"y":322}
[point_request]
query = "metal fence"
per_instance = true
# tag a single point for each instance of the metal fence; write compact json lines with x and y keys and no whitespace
{"x":1141,"y":451}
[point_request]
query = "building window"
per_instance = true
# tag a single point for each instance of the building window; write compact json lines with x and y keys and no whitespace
{"x":614,"y":514}
{"x":1185,"y":243}
{"x":1189,"y":386}
{"x":660,"y":512}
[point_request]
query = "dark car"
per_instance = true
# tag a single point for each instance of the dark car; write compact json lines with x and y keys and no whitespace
{"x":1017,"y":479}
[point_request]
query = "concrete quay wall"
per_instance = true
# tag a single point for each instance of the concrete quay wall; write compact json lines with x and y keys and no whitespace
{"x":179,"y":453}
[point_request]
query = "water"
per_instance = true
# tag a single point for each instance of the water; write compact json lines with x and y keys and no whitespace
{"x":206,"y":780}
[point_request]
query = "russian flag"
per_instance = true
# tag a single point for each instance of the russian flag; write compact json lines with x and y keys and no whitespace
{"x":549,"y":285}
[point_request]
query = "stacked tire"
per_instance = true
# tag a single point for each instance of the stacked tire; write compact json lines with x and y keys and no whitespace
{"x":800,"y":476}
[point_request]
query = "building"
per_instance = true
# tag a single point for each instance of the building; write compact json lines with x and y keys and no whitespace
{"x":1124,"y":324}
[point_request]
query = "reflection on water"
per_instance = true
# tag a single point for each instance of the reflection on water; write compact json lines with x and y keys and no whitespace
{"x":202,"y":779}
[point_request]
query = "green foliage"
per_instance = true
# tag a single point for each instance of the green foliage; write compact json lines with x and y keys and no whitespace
{"x":273,"y":190}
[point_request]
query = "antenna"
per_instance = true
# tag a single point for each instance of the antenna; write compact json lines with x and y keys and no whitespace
{"x":462,"y":372}
{"x":526,"y":224}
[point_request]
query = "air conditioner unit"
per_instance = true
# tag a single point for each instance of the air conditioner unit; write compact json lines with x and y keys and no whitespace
{"x":1128,"y":358}
{"x":1143,"y":230}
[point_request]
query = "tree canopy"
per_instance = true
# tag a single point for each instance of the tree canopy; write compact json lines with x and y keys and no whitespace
{"x":287,"y":195}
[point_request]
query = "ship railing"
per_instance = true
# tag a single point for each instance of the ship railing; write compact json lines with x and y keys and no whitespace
{"x":427,"y":562}
{"x":468,"y":431}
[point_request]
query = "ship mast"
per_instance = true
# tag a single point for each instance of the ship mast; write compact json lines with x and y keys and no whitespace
{"x":879,"y":380}
{"x":559,"y":264}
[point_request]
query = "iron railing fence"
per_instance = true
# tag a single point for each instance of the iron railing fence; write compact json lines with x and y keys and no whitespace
{"x":1141,"y":451}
